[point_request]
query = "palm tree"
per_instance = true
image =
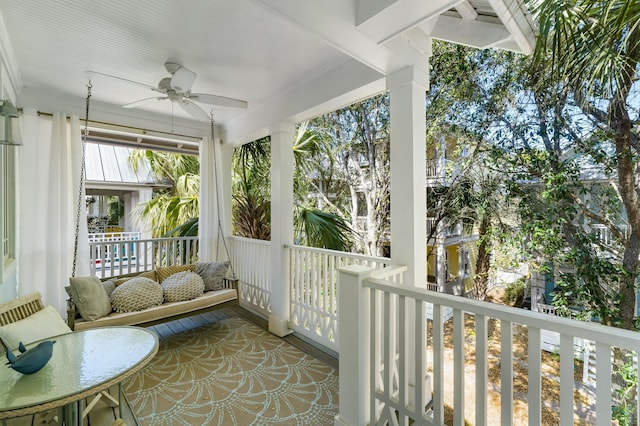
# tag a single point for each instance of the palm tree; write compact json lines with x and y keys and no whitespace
{"x":252,"y":209}
{"x":594,"y":47}
{"x":252,"y":190}
{"x":178,"y":203}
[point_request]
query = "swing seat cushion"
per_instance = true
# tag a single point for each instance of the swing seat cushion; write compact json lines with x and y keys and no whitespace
{"x":176,"y":282}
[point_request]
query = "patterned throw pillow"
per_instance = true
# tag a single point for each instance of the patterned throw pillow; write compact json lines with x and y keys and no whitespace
{"x":164,"y":273}
{"x":136,"y":294}
{"x":212,"y":274}
{"x":182,"y":286}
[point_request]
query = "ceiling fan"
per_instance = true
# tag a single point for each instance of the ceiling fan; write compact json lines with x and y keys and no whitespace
{"x":177,"y":89}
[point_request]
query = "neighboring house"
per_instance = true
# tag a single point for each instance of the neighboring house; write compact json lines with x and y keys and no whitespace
{"x":109,"y":173}
{"x":451,"y":250}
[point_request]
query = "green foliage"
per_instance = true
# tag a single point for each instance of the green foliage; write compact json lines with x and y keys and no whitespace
{"x":514,"y":292}
{"x":115,"y":209}
{"x":176,"y":204}
{"x":351,"y":173}
{"x":251,"y":208}
{"x":187,"y":229}
{"x":624,"y":406}
{"x":558,"y":131}
{"x":584,"y":78}
{"x":252,"y":200}
{"x":317,"y":228}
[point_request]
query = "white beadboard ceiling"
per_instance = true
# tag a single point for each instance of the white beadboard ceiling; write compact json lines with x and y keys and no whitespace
{"x":289,"y":59}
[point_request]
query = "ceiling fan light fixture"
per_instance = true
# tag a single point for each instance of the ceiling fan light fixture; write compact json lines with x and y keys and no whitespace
{"x":183,"y":79}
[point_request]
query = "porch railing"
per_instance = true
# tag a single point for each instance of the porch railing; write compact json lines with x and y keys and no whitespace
{"x":605,"y":235}
{"x":112,"y":258}
{"x":412,"y":368}
{"x":252,"y":265}
{"x":449,"y":230}
{"x":314,"y":298}
{"x":96,"y":237}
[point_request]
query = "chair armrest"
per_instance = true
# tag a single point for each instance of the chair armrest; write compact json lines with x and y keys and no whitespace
{"x":230,"y":282}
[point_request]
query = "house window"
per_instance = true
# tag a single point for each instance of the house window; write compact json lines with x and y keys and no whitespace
{"x":466,"y":263}
{"x":7,"y":203}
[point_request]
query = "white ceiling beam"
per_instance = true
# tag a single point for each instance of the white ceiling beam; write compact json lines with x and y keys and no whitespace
{"x":478,"y":34}
{"x":467,"y":11}
{"x":334,"y":28}
{"x":402,"y":16}
{"x":345,"y":84}
{"x":518,"y":21}
{"x":366,"y":9}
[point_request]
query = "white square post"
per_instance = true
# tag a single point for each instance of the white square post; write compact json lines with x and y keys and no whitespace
{"x":281,"y":225}
{"x":353,"y":343}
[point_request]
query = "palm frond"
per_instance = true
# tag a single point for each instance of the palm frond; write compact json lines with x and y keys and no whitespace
{"x":322,"y":229}
{"x":187,"y":229}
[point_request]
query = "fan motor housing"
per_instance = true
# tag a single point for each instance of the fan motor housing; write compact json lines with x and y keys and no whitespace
{"x":165,"y":84}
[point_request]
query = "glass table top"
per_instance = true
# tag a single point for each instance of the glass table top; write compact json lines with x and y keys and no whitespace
{"x":81,"y":361}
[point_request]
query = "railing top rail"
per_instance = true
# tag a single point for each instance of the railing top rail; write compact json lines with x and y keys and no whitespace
{"x":388,"y":271}
{"x":150,"y":240}
{"x":250,"y":240}
{"x":587,"y":330}
{"x":339,"y":253}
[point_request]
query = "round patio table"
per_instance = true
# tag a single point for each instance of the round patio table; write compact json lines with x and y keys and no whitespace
{"x":83,"y":364}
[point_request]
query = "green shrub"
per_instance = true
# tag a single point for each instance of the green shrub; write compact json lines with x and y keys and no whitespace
{"x":514,"y":292}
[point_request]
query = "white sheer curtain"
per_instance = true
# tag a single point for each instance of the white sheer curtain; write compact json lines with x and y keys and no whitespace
{"x":49,"y":180}
{"x":211,"y":244}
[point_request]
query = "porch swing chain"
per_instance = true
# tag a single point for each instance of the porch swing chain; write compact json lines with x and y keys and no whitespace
{"x":215,"y":177}
{"x":85,"y":135}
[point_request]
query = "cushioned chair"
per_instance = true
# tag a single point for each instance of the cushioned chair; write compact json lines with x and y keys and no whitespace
{"x":24,"y":311}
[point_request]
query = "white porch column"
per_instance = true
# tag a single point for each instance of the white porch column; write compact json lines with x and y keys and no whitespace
{"x":144,"y":195}
{"x":354,"y":337}
{"x":281,"y":225}
{"x":407,"y":89}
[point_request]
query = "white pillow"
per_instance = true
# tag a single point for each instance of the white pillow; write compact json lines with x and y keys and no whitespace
{"x":41,"y":325}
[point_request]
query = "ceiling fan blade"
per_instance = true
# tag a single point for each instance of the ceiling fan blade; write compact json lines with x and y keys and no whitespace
{"x":144,"y":102}
{"x":218,"y":100}
{"x":147,"y":86}
{"x":183,"y":79}
{"x":194,"y":110}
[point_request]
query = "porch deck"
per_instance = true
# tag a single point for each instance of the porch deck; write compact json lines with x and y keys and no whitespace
{"x":392,"y":333}
{"x":103,"y":415}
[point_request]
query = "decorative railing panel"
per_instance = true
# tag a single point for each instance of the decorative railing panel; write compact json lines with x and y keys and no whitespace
{"x":113,"y":258}
{"x":314,"y":301}
{"x":416,"y":368}
{"x":251,"y":261}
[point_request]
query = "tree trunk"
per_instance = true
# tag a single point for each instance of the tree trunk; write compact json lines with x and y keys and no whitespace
{"x":627,"y":181}
{"x":628,"y":280}
{"x":483,"y":262}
